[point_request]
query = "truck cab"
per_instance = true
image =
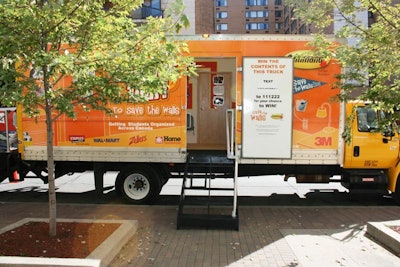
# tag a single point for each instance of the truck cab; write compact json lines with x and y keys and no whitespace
{"x":372,"y":150}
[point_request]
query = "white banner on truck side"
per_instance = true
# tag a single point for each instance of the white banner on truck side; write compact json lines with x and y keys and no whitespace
{"x":267,"y":107}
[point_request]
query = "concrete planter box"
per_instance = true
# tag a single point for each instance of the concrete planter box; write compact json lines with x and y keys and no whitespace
{"x":101,"y":256}
{"x":382,"y":232}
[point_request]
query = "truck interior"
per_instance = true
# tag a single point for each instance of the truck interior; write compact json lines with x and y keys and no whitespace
{"x":210,"y":95}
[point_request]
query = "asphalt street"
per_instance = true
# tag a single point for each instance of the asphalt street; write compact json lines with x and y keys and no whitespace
{"x":261,"y":190}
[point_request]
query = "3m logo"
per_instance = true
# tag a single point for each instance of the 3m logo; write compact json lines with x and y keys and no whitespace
{"x":305,"y":60}
{"x":323,"y":141}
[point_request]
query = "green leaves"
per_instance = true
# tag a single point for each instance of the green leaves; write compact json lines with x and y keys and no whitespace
{"x":371,"y":64}
{"x":61,"y":56}
{"x":84,"y":56}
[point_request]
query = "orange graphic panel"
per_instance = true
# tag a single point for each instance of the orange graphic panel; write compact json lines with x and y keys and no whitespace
{"x":161,"y":121}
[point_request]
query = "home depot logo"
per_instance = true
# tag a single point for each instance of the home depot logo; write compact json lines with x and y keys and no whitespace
{"x":167,"y":139}
{"x":304,"y":59}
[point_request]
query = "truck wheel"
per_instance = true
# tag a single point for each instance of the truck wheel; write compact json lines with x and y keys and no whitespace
{"x":138,"y":185}
{"x":396,"y":194}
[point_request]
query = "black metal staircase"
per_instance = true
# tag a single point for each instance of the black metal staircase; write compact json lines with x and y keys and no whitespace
{"x":203,"y":209}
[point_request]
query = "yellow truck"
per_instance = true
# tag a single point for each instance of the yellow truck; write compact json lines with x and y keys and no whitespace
{"x":260,"y":105}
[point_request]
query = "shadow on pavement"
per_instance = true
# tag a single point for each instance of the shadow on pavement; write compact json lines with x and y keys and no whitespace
{"x":316,"y":198}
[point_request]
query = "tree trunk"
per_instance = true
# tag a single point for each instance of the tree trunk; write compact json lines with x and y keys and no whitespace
{"x":51,"y":176}
{"x":47,"y":87}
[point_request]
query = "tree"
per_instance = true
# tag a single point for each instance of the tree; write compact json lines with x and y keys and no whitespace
{"x":105,"y":56}
{"x":372,"y":63}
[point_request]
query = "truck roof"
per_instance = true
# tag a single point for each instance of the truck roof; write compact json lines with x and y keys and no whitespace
{"x":252,"y":37}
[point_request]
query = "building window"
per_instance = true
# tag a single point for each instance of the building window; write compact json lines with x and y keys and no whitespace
{"x":222,"y":27}
{"x":151,"y":8}
{"x":221,"y":2}
{"x":256,"y":2}
{"x":293,"y":26}
{"x":278,"y":2}
{"x":278,"y":26}
{"x":257,"y":14}
{"x":303,"y":29}
{"x":278,"y":14}
{"x":222,"y":15}
{"x":257,"y":26}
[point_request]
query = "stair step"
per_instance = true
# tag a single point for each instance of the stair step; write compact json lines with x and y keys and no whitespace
{"x":210,"y":210}
{"x":208,"y":188}
{"x":202,"y":169}
{"x":205,"y":201}
{"x":207,"y":221}
{"x":204,"y":204}
{"x":207,"y":176}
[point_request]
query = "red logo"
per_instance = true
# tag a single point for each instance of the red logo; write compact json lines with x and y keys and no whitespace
{"x":77,"y":138}
{"x":137,"y":139}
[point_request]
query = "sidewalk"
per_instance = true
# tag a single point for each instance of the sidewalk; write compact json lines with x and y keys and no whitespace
{"x":268,"y":236}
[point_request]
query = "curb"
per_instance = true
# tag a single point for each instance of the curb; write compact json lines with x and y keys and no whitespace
{"x":101,"y":256}
{"x":388,"y":237}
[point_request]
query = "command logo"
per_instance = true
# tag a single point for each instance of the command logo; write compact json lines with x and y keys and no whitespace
{"x":77,"y":138}
{"x":304,"y":59}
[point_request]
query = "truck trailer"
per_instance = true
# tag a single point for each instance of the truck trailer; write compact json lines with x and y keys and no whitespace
{"x":260,"y":105}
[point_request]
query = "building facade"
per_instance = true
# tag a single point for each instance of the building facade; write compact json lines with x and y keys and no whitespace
{"x":229,"y":16}
{"x":239,"y":16}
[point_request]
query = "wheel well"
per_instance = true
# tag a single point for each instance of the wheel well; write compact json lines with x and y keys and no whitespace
{"x":397,"y":187}
{"x":148,"y":170}
{"x":396,"y":193}
{"x":162,"y":172}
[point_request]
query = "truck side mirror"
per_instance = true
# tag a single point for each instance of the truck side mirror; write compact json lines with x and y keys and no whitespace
{"x":387,"y":132}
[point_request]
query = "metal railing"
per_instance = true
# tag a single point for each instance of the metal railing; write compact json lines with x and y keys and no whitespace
{"x":230,"y":133}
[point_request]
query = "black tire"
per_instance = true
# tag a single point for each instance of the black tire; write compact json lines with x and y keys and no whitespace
{"x":396,"y":193}
{"x":139,"y":184}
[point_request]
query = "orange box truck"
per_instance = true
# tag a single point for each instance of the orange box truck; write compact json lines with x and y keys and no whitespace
{"x":262,"y":104}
